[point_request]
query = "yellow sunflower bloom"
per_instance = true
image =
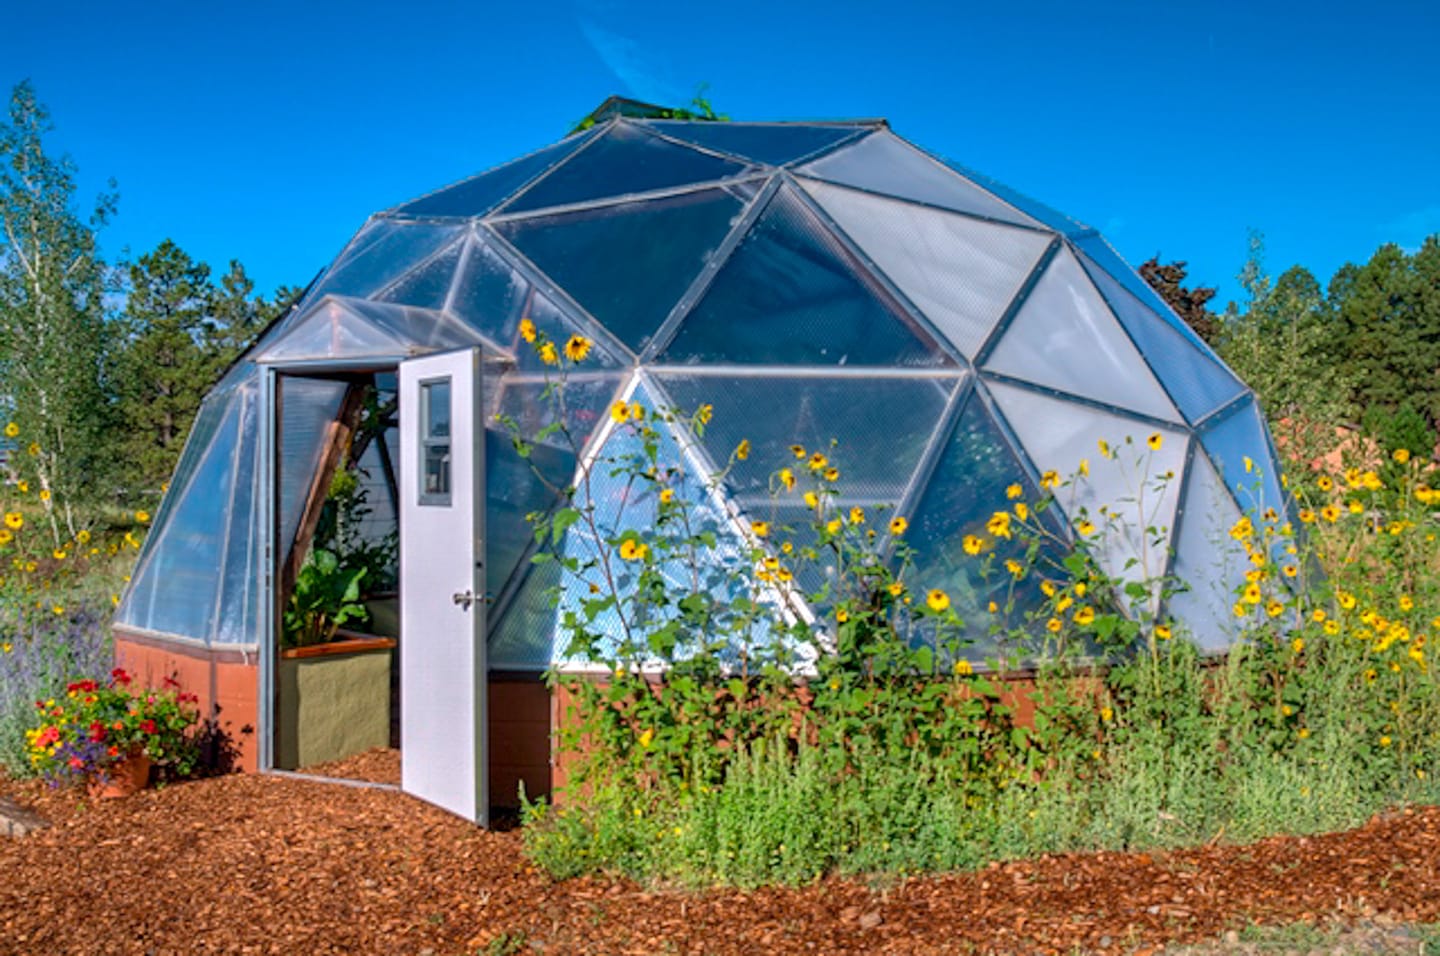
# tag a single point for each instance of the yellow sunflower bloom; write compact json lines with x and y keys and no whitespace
{"x":527,"y":330}
{"x":937,"y":600}
{"x":576,"y":348}
{"x":898,"y":526}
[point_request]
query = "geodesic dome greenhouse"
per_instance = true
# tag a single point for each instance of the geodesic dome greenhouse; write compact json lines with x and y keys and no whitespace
{"x":814,"y":282}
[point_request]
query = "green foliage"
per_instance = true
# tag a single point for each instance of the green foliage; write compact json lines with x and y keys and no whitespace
{"x":326,"y":595}
{"x":1287,"y":346}
{"x":732,"y":741}
{"x":179,"y":331}
{"x":52,"y":320}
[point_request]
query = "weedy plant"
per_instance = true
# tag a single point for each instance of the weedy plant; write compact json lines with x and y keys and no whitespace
{"x":770,"y":701}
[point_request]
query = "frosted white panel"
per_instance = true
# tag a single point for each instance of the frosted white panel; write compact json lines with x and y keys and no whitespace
{"x":1132,"y":486}
{"x":884,"y":163}
{"x":1064,"y":337}
{"x":1208,"y":562}
{"x":960,"y":272}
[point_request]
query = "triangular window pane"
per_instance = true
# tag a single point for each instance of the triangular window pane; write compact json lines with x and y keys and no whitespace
{"x":884,"y":163}
{"x":380,"y":254}
{"x":967,"y":486}
{"x":628,"y":264}
{"x":625,"y":160}
{"x":480,"y":194}
{"x":1239,"y":448}
{"x":1197,"y":383}
{"x":175,"y":589}
{"x":1065,"y":338}
{"x":418,"y":330}
{"x":1209,"y":565}
{"x":960,"y":272}
{"x":428,"y":285}
{"x":874,"y":430}
{"x":492,"y":298}
{"x":331,"y":330}
{"x":790,"y":294}
{"x":772,"y":143}
{"x":1138,"y":487}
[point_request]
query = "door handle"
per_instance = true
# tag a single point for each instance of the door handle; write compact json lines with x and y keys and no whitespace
{"x":464,"y":599}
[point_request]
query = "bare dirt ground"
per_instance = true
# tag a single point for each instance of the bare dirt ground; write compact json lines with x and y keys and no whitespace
{"x":263,"y":864}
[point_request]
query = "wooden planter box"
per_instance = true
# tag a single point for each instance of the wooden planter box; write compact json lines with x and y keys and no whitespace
{"x":334,"y":700}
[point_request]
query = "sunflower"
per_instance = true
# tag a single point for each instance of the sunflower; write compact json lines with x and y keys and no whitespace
{"x":937,"y":600}
{"x":527,"y":330}
{"x":632,"y":550}
{"x":898,"y":526}
{"x":577,"y":348}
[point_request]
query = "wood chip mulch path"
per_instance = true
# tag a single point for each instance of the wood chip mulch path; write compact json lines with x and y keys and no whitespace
{"x":262,"y":864}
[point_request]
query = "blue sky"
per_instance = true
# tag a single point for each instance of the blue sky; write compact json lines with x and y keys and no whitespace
{"x":268,"y":132}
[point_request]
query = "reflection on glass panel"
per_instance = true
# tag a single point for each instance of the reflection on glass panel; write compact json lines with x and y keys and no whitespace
{"x":625,"y":160}
{"x":383,"y":252}
{"x":237,"y":618}
{"x":884,"y":163}
{"x":308,"y":406}
{"x":177,"y":589}
{"x":428,"y":285}
{"x":609,"y":261}
{"x":479,"y":194}
{"x":772,"y":143}
{"x":1239,"y":448}
{"x":1198,"y":383}
{"x":1130,"y":494}
{"x":967,"y":487}
{"x":492,"y":298}
{"x":1210,"y":565}
{"x":1065,"y":338}
{"x":435,"y":442}
{"x":960,"y":272}
{"x":790,"y":294}
{"x":873,"y":430}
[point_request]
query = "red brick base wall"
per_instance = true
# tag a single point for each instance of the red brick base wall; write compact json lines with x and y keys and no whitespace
{"x":227,"y":681}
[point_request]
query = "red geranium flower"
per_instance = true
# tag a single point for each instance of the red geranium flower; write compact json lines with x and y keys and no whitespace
{"x":97,"y":731}
{"x":120,"y":677}
{"x":147,"y":726}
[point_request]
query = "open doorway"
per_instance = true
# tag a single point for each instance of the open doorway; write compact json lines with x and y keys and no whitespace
{"x":337,"y":667}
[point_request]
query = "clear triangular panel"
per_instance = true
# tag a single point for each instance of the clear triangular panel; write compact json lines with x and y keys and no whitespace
{"x":1065,"y":338}
{"x":421,"y":330}
{"x":176,"y":586}
{"x":492,"y":298}
{"x":609,"y":260}
{"x":791,"y":294}
{"x":383,"y":252}
{"x":343,"y":328}
{"x":1209,"y":564}
{"x":884,"y":163}
{"x":480,"y":194}
{"x":874,"y":430}
{"x":774,"y":144}
{"x":307,"y":408}
{"x":620,"y":496}
{"x":1130,"y":494}
{"x":237,"y":618}
{"x":968,"y":486}
{"x":624,"y":160}
{"x":428,"y":285}
{"x":1197,"y":383}
{"x":960,"y":272}
{"x":1238,"y":445}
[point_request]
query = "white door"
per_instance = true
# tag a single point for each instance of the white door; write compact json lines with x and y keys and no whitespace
{"x":443,"y":743}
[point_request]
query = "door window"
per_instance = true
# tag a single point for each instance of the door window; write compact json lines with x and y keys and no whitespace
{"x":435,"y":442}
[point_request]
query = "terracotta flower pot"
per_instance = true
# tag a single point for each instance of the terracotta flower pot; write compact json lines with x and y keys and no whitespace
{"x":130,"y":774}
